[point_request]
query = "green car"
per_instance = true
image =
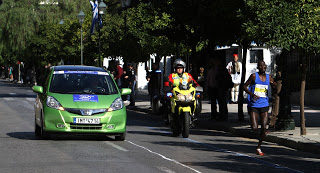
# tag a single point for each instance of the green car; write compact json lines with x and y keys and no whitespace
{"x":80,"y":99}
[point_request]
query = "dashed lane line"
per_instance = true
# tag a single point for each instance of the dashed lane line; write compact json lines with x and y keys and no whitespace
{"x":164,"y":169}
{"x":8,"y":98}
{"x":31,"y":99}
{"x":115,"y":146}
{"x":164,"y":157}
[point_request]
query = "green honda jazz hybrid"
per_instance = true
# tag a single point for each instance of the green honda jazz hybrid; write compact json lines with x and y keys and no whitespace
{"x":80,"y":99}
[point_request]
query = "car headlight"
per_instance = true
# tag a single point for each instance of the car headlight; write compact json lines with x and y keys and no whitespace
{"x":116,"y":105}
{"x":181,"y":97}
{"x":189,"y":97}
{"x":53,"y":103}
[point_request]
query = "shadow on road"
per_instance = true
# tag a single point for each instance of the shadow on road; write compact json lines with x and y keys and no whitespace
{"x":18,"y":95}
{"x":82,"y":137}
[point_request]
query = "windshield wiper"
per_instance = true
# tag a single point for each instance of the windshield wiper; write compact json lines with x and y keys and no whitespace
{"x":88,"y":92}
{"x":59,"y":92}
{"x":80,"y":92}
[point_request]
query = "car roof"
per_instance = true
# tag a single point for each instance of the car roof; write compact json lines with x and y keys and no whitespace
{"x":77,"y":68}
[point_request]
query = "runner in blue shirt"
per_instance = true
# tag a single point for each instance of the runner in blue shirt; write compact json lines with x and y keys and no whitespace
{"x":258,"y":100}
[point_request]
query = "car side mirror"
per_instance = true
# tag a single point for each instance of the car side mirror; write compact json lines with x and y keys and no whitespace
{"x":37,"y":89}
{"x":125,"y":91}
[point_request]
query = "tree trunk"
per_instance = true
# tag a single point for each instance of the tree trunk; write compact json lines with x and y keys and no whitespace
{"x":303,"y":130}
{"x":243,"y":76}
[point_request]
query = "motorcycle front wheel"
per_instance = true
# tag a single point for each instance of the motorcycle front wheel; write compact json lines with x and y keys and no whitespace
{"x":185,"y":124}
{"x":176,"y":127}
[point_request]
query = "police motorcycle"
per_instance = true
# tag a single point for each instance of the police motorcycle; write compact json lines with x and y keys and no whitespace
{"x":182,"y":108}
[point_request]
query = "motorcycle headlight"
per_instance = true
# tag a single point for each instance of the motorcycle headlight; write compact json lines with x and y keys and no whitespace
{"x":169,"y":95}
{"x":53,"y":103}
{"x":189,"y":97}
{"x":116,"y":105}
{"x":181,"y":97}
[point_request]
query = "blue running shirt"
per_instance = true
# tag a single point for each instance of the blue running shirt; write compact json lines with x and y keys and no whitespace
{"x":260,"y":89}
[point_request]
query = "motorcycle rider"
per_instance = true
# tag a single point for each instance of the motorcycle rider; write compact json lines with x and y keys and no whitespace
{"x":179,"y":76}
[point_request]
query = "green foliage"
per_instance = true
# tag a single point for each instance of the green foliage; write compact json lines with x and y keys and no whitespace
{"x":292,"y":25}
{"x":22,"y":21}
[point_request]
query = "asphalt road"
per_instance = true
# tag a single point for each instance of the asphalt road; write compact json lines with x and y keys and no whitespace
{"x":149,"y":147}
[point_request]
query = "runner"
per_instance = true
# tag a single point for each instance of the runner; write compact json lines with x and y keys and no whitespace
{"x":258,"y":100}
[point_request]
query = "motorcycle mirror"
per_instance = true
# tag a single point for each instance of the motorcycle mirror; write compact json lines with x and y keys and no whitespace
{"x":199,"y":89}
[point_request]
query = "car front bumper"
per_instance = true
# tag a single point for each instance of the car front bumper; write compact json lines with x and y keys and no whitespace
{"x":62,"y":121}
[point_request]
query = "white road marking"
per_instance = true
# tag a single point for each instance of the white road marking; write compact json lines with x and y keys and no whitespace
{"x":8,"y":98}
{"x":31,"y":99}
{"x":274,"y":165}
{"x":115,"y":146}
{"x":164,"y":169}
{"x":164,"y":157}
{"x":27,"y":105}
{"x":306,"y":111}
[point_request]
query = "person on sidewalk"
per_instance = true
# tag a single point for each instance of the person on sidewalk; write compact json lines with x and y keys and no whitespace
{"x":258,"y":100}
{"x":218,"y":83}
{"x":235,"y":68}
{"x":132,"y":84}
{"x":154,"y":82}
{"x":125,"y":84}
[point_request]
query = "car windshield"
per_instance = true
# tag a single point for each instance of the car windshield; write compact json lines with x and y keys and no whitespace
{"x":82,"y":82}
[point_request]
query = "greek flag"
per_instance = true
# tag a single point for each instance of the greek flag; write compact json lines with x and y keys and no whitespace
{"x":95,"y":17}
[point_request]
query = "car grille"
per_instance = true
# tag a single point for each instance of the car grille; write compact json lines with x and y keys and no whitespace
{"x":86,"y":126}
{"x":87,"y":112}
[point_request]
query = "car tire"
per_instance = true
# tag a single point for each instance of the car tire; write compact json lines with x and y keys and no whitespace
{"x":37,"y":129}
{"x":121,"y":137}
{"x":43,"y":134}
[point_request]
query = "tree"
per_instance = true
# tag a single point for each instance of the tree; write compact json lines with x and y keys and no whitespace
{"x":21,"y":20}
{"x":291,"y":25}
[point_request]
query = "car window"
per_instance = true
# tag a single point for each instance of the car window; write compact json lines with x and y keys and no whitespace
{"x":82,"y":82}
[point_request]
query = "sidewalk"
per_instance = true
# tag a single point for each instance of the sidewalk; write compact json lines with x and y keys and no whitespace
{"x":289,"y":138}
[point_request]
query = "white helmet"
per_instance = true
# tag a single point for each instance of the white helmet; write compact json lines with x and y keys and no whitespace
{"x":179,"y":63}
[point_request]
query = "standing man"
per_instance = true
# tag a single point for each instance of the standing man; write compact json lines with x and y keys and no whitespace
{"x":132,"y":84}
{"x":218,"y":83}
{"x":235,"y":69}
{"x":154,"y":82}
{"x":11,"y":73}
{"x":201,"y":77}
{"x":258,"y":100}
{"x":117,"y":77}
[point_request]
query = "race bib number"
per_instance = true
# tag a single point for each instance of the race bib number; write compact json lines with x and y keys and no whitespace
{"x":261,"y":90}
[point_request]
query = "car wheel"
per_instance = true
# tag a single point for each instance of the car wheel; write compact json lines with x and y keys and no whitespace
{"x":43,"y":134}
{"x":37,"y":129}
{"x":121,"y":137}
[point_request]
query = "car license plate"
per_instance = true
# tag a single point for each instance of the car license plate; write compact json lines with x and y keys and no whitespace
{"x":86,"y":120}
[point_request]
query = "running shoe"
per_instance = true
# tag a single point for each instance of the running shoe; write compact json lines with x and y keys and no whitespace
{"x":259,"y":152}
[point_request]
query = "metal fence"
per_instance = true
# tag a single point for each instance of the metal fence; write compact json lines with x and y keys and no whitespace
{"x":294,"y":71}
